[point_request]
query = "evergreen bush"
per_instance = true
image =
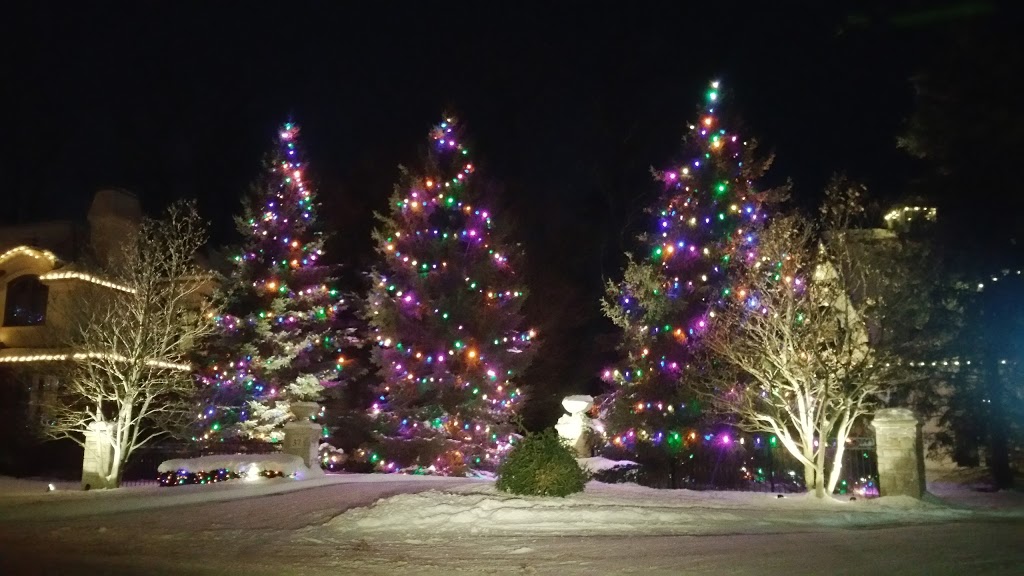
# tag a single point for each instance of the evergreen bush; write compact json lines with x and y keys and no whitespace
{"x":541,"y":465}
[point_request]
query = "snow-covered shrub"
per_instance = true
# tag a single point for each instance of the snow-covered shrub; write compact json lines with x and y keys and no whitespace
{"x":541,"y":465}
{"x":611,"y":471}
{"x":331,"y":458}
{"x":632,"y":475}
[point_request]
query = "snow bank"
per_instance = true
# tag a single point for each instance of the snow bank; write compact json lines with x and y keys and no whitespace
{"x":29,"y":499}
{"x":287,"y":464}
{"x":624,"y":509}
{"x":970,"y":488}
{"x":600,"y":463}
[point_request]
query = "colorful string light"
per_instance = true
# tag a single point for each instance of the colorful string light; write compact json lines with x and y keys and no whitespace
{"x":284,"y":329}
{"x":444,"y":314}
{"x":705,"y":226}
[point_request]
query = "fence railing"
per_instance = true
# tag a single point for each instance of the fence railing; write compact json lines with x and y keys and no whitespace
{"x":759,"y":466}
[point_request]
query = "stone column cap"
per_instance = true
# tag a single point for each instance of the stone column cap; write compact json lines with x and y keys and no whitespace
{"x":894,"y":416}
{"x":98,"y":426}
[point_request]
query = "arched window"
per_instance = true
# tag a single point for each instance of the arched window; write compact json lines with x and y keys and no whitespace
{"x":26,"y":301}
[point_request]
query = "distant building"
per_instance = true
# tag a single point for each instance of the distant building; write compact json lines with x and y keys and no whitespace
{"x":913,"y":221}
{"x":37,"y":278}
{"x":913,"y":218}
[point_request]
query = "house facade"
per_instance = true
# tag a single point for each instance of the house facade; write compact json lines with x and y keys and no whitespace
{"x":38,"y":278}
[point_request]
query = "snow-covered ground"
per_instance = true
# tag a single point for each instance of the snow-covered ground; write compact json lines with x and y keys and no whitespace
{"x":474,"y":506}
{"x":631,"y":509}
{"x":971,"y":488}
{"x":296,"y":527}
{"x":32,"y":499}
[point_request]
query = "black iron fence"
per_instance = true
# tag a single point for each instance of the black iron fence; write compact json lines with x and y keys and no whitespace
{"x":860,"y":468}
{"x":757,"y":463}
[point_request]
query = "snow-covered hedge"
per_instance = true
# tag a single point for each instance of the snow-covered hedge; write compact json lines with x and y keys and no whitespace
{"x":221,"y":467}
{"x":600,"y":464}
{"x":611,"y":471}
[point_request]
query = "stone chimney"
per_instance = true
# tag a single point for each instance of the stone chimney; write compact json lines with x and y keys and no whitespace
{"x":114,"y":215}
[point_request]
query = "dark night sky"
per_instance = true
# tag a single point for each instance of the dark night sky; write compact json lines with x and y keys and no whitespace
{"x":568,"y":107}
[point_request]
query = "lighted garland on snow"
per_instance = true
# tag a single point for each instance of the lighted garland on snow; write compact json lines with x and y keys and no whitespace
{"x":444,"y":311}
{"x":183,"y":477}
{"x":284,"y":330}
{"x":705,"y":229}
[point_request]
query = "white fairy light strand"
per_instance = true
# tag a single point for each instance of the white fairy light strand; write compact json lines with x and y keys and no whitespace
{"x":79,"y":356}
{"x":52,"y":276}
{"x":28,"y":251}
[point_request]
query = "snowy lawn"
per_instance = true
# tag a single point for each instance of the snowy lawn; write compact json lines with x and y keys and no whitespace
{"x":971,"y":488}
{"x":630,"y":509}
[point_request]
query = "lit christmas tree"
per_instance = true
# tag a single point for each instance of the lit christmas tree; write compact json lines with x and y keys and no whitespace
{"x":705,"y":227}
{"x":444,"y":309}
{"x":283,"y":330}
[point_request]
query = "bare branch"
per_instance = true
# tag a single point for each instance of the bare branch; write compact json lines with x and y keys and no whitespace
{"x":795,"y":342}
{"x":129,"y":346}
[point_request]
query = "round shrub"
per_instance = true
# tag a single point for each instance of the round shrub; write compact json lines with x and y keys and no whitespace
{"x":541,"y":465}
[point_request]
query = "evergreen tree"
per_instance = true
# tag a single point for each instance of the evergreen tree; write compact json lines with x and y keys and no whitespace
{"x":283,"y":331}
{"x":444,"y":309}
{"x":963,"y":97}
{"x":984,"y":409}
{"x":705,"y":226}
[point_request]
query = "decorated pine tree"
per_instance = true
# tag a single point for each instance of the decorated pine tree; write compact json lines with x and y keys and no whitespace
{"x":444,"y":310}
{"x":284,"y":331}
{"x":704,"y":226}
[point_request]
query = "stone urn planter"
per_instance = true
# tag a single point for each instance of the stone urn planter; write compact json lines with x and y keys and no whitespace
{"x":571,"y":426}
{"x":302,"y":437}
{"x":304,"y":410}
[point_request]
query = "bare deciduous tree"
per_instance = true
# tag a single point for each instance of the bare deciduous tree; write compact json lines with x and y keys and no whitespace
{"x":130,"y":338}
{"x":794,"y":346}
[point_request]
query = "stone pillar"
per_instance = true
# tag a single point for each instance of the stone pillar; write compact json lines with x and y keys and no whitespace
{"x":99,"y":454}
{"x":900,"y":450}
{"x":302,"y":437}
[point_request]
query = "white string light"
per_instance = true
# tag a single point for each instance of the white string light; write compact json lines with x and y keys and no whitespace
{"x":908,"y":213}
{"x":28,"y":251}
{"x":52,"y":276}
{"x":78,"y":356}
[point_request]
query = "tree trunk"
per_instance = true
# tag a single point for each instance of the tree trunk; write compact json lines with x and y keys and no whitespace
{"x":998,"y":445}
{"x":113,"y":479}
{"x":819,"y":471}
{"x":809,"y":475}
{"x":677,"y":472}
{"x":837,"y":463}
{"x":842,"y":433}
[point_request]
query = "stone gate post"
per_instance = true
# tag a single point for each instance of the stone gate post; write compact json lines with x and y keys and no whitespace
{"x":900,"y":450}
{"x":99,"y":454}
{"x":302,"y":437}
